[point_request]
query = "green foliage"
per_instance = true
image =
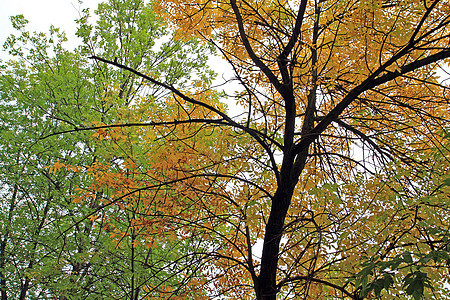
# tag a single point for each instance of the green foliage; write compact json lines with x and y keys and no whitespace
{"x":415,"y":284}
{"x":52,"y":247}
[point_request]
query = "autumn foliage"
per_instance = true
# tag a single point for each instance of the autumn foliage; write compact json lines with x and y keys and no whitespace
{"x":329,"y":163}
{"x":328,"y":176}
{"x":333,"y":163}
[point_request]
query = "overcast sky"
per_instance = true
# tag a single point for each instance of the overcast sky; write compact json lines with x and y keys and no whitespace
{"x":42,"y":14}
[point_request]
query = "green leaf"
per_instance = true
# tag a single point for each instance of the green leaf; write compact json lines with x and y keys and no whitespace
{"x":447,"y":181}
{"x":18,"y":21}
{"x":414,"y":284}
{"x":388,"y":280}
{"x":407,"y":257}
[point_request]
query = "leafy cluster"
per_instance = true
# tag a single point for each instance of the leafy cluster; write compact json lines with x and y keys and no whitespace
{"x":58,"y":241}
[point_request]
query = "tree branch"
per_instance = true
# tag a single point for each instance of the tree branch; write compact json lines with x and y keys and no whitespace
{"x":257,"y":135}
{"x":310,"y":278}
{"x":258,"y":62}
{"x":370,"y":82}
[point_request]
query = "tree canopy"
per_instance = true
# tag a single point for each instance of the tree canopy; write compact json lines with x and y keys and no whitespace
{"x":330,"y":182}
{"x":53,"y":245}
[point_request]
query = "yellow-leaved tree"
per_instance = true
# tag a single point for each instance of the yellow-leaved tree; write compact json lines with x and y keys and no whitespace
{"x":332,"y":182}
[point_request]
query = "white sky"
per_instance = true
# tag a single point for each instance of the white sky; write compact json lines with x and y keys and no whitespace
{"x":42,"y":14}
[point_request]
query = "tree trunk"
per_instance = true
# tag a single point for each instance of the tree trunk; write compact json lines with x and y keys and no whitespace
{"x":2,"y":265}
{"x":290,"y":173}
{"x":272,"y":238}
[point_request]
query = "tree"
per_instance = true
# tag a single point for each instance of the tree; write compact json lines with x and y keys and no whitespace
{"x":329,"y":165}
{"x":51,"y":246}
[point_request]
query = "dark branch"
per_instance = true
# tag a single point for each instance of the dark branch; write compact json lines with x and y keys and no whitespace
{"x":258,"y":62}
{"x":371,"y":82}
{"x":257,"y":135}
